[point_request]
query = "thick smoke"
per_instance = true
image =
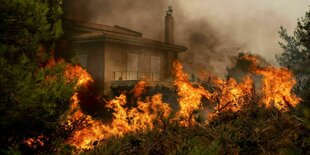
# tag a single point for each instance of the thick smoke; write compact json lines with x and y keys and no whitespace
{"x":208,"y":50}
{"x":214,"y":31}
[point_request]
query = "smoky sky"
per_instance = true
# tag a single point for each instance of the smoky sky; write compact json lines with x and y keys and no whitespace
{"x":213,"y":31}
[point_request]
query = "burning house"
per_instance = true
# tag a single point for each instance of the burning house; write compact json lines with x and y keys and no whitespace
{"x":118,"y":56}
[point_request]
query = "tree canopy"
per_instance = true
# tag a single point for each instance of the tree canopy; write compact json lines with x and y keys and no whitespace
{"x":296,"y":54}
{"x":33,"y":94}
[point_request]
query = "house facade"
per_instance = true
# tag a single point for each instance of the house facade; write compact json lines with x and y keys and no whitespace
{"x":116,"y":55}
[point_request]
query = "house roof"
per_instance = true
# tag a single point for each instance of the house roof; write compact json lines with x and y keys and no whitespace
{"x":97,"y":32}
{"x":93,"y":27}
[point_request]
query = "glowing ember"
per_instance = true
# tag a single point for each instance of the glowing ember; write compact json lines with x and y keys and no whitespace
{"x":35,"y":142}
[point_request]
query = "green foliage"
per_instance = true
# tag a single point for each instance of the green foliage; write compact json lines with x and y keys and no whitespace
{"x":297,"y":47}
{"x":33,"y":94}
{"x":26,"y":23}
{"x":296,"y":57}
{"x":296,"y":54}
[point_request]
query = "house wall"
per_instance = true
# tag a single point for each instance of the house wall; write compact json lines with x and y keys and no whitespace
{"x":117,"y":61}
{"x":93,"y":53}
{"x":105,"y":61}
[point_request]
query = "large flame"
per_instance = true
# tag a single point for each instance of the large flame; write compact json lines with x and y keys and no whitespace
{"x":189,"y":96}
{"x":228,"y":95}
{"x":124,"y":120}
{"x":277,"y":85}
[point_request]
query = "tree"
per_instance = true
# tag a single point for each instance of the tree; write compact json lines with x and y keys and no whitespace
{"x":296,"y":57}
{"x":296,"y":53}
{"x":33,"y":94}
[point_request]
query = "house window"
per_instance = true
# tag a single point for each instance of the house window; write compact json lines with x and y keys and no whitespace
{"x":155,"y":68}
{"x":132,"y":66}
{"x":83,"y":60}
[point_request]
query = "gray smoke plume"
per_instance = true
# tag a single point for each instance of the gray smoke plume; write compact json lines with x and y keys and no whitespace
{"x":214,"y":31}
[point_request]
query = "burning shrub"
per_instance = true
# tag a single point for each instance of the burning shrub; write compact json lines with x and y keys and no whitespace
{"x":233,"y":104}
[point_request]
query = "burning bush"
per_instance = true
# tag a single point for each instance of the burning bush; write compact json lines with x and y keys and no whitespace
{"x":239,"y":109}
{"x":44,"y":100}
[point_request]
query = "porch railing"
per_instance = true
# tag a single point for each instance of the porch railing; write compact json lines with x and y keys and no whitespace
{"x":120,"y":75}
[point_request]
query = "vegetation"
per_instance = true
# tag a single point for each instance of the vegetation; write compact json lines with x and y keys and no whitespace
{"x":296,"y":55}
{"x":253,"y":130}
{"x":34,"y":93}
{"x":35,"y":96}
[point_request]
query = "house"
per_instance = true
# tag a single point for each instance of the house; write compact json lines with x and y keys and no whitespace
{"x":116,"y":55}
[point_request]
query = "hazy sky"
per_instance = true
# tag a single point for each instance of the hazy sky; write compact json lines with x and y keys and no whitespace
{"x":252,"y":23}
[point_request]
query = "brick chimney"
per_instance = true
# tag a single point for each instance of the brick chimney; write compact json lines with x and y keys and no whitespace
{"x":169,"y":26}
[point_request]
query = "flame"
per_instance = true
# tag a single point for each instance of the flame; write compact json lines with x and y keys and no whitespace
{"x":232,"y":96}
{"x":189,"y":96}
{"x":149,"y":114}
{"x":83,"y":78}
{"x":277,"y":88}
{"x":124,"y":120}
{"x":277,"y":85}
{"x":139,"y":88}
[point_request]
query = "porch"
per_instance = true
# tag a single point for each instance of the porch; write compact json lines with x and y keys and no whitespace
{"x":125,"y":79}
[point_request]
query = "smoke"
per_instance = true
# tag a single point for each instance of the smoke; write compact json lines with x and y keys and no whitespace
{"x":145,"y":16}
{"x":214,"y":31}
{"x":208,"y":50}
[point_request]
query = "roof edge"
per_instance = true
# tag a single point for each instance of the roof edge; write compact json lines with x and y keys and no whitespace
{"x":139,"y":42}
{"x":130,"y":30}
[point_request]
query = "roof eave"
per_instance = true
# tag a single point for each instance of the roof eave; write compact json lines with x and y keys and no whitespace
{"x":132,"y":41}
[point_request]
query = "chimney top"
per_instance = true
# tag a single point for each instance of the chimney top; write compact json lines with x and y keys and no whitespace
{"x":169,"y":11}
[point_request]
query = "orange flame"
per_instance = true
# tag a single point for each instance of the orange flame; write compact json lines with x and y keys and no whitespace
{"x":232,"y":95}
{"x":277,"y":85}
{"x":124,"y":121}
{"x":189,"y":96}
{"x":277,"y":88}
{"x":83,"y":78}
{"x":229,"y":95}
{"x":139,"y":88}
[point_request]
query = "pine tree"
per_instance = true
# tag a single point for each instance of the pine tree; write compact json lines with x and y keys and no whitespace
{"x":32,"y":95}
{"x":296,"y":54}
